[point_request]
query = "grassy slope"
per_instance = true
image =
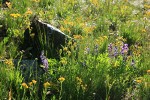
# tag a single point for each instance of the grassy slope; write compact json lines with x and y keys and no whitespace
{"x":89,"y":72}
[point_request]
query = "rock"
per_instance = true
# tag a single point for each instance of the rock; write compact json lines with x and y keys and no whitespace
{"x":28,"y":68}
{"x":45,"y":37}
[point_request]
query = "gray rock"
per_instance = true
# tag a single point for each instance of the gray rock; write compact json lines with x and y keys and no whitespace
{"x":47,"y":38}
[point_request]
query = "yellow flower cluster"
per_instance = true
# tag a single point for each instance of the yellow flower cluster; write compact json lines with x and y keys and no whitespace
{"x":63,"y":61}
{"x":147,"y":13}
{"x":147,"y":6}
{"x":148,"y":71}
{"x":80,"y":83}
{"x":124,"y":10}
{"x":138,"y":81}
{"x":69,"y":53}
{"x":33,"y":82}
{"x":143,"y":30}
{"x":9,"y":62}
{"x":63,"y":29}
{"x":121,"y":39}
{"x":100,"y":40}
{"x":15,"y":15}
{"x":89,"y":29}
{"x":46,"y":84}
{"x":79,"y":80}
{"x":24,"y":85}
{"x":61,"y":79}
{"x":28,"y":12}
{"x":67,"y":22}
{"x":8,"y":4}
{"x":65,"y":49}
{"x":77,"y":37}
{"x":30,"y":83}
{"x":137,"y":52}
{"x":84,"y":87}
{"x":95,"y":2}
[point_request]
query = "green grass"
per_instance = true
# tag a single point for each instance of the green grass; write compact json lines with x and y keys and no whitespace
{"x":86,"y":69}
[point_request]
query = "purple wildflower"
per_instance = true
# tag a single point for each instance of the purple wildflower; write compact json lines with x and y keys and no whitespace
{"x":115,"y":51}
{"x":110,"y":48}
{"x":124,"y":49}
{"x":44,"y":61}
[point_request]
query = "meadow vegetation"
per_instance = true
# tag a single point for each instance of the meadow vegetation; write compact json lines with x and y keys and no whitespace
{"x":110,"y":59}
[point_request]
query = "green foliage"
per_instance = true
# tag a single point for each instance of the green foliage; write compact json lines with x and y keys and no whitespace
{"x":86,"y":70}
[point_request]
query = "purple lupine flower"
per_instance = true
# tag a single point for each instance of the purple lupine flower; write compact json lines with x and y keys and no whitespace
{"x":110,"y":48}
{"x":44,"y":61}
{"x":124,"y":49}
{"x":115,"y":51}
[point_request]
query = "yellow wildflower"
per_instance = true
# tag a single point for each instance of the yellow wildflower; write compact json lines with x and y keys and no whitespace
{"x":147,"y":6}
{"x":101,"y":38}
{"x":65,"y":49}
{"x":75,"y":44}
{"x":70,"y":23}
{"x":9,"y":62}
{"x":34,"y":81}
{"x":46,"y":84}
{"x":28,"y":12}
{"x":61,"y":79}
{"x":69,"y":43}
{"x":30,"y":83}
{"x":95,"y":2}
{"x":15,"y":15}
{"x":105,"y":37}
{"x":138,"y":81}
{"x":69,"y":53}
{"x":143,"y":30}
{"x":68,"y":30}
{"x":65,"y":22}
{"x":62,"y":28}
{"x":25,"y":85}
{"x":77,"y":37}
{"x":79,"y":80}
{"x":8,"y":4}
{"x":148,"y":71}
{"x":84,"y":87}
{"x":63,"y":61}
{"x":147,"y":13}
